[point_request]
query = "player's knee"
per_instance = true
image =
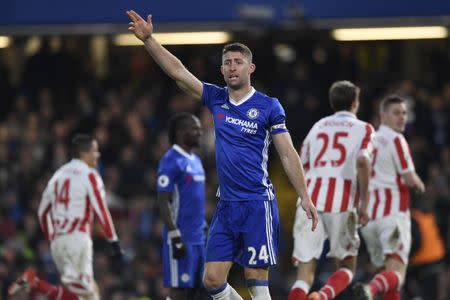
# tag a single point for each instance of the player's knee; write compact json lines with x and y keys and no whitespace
{"x":212,"y":280}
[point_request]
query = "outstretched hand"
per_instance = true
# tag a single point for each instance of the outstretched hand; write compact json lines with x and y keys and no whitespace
{"x":141,"y":28}
{"x":310,"y":210}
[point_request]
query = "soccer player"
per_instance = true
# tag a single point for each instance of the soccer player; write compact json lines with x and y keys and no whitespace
{"x":244,"y":229}
{"x":181,"y":197}
{"x":388,"y":234}
{"x":336,"y":155}
{"x":74,"y":194}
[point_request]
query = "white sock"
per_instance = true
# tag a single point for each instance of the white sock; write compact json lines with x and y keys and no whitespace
{"x":259,"y":289}
{"x":228,"y":293}
{"x":300,"y":284}
{"x":260,"y":292}
{"x":233,"y":294}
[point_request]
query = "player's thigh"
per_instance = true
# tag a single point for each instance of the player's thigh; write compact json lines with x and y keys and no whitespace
{"x":395,"y":236}
{"x":308,"y":244}
{"x":222,"y":238}
{"x":72,"y":255}
{"x":342,"y":231}
{"x":256,"y":273}
{"x":184,"y":272}
{"x":260,"y":234}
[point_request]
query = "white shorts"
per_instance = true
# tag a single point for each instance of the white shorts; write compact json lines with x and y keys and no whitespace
{"x":339,"y":228}
{"x":388,"y":235}
{"x":72,"y":255}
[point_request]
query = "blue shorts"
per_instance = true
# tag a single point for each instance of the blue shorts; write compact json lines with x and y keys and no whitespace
{"x":186,"y":272}
{"x":244,"y":232}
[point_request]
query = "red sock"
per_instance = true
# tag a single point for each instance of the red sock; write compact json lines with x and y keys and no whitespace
{"x":383,"y":282}
{"x":54,"y":292}
{"x":337,"y":282}
{"x":297,"y":294}
{"x":391,"y":295}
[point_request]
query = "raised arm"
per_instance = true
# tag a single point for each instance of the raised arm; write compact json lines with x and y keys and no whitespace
{"x":170,"y":64}
{"x":294,"y":170}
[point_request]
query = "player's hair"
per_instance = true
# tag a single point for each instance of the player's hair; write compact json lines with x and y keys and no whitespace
{"x":389,"y":100}
{"x":81,"y":143}
{"x":176,"y":122}
{"x":342,"y":94}
{"x":238,"y":47}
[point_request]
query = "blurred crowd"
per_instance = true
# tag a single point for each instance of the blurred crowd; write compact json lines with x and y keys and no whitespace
{"x":58,"y":94}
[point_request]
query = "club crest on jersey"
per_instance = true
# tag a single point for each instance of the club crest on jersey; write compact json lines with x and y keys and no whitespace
{"x":252,"y":113}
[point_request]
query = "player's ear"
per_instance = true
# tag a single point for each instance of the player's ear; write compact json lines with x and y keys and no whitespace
{"x":252,"y":68}
{"x":221,"y":69}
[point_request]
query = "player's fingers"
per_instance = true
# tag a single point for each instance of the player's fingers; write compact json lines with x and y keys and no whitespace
{"x":135,"y":16}
{"x":149,"y":19}
{"x":315,"y":220}
{"x":308,"y":212}
{"x":130,"y":15}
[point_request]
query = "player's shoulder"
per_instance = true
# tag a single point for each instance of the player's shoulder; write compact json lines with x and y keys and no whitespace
{"x":214,"y":88}
{"x":174,"y":157}
{"x":266,"y":98}
{"x":168,"y":156}
{"x":389,"y":134}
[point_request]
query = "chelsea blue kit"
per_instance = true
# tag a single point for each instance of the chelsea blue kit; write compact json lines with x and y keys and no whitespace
{"x":181,"y":174}
{"x":246,"y":224}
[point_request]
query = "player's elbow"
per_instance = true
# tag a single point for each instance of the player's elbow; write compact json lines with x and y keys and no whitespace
{"x":363,"y":163}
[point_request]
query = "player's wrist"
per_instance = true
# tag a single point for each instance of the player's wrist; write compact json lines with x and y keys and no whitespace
{"x":175,"y":233}
{"x":147,"y":39}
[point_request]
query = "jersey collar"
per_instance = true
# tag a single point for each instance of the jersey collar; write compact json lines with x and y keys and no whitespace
{"x":182,"y":152}
{"x":79,"y":162}
{"x":387,"y":128}
{"x":248,"y":96}
{"x":344,"y":113}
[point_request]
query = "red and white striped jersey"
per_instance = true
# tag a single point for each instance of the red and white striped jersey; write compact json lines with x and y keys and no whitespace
{"x":329,"y":154}
{"x":391,"y":159}
{"x":72,"y":196}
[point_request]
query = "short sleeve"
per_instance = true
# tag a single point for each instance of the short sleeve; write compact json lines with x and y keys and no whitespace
{"x":366,"y":147}
{"x":402,"y":157}
{"x":168,"y":173}
{"x":211,"y":94}
{"x":277,"y":118}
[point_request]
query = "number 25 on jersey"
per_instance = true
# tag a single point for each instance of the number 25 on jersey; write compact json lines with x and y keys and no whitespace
{"x":337,"y":145}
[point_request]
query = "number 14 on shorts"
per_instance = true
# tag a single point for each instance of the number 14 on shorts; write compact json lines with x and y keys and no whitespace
{"x":261,"y":255}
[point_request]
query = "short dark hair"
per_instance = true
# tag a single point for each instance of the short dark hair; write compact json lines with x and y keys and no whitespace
{"x":238,"y":47}
{"x":389,"y":100}
{"x":342,"y":94}
{"x":176,"y":122}
{"x":81,"y":143}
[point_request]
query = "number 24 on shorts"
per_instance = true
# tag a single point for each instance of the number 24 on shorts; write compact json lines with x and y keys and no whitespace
{"x":261,"y":256}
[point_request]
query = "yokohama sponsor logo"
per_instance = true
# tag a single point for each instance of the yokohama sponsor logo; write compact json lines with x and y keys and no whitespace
{"x":243,"y":123}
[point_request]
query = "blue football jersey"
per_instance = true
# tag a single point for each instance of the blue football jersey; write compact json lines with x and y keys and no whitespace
{"x":243,"y":135}
{"x":182,"y":174}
